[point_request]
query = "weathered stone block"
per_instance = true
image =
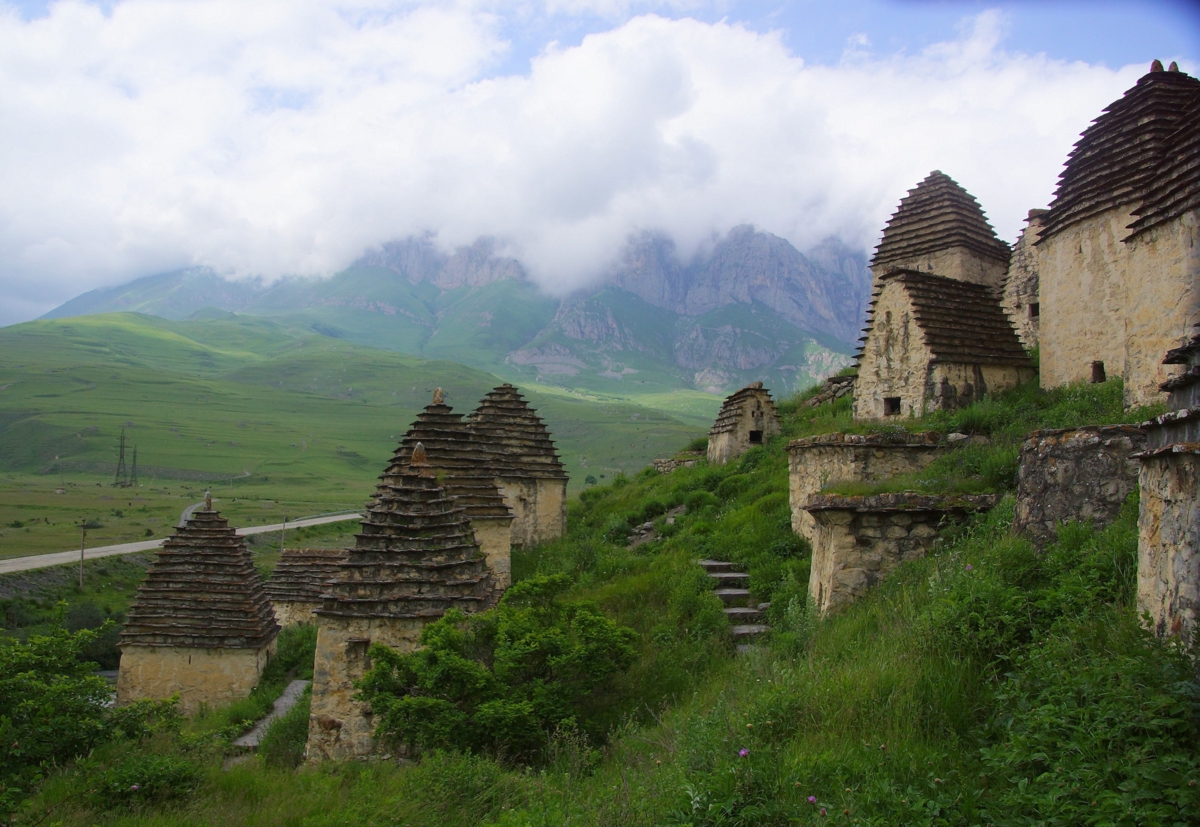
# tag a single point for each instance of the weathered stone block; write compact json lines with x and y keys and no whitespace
{"x":1082,"y":474}
{"x":1169,"y":541}
{"x":848,"y":558}
{"x":201,"y":677}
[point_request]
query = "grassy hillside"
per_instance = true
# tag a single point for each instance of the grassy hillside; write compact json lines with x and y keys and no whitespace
{"x":245,"y":405}
{"x":985,"y":684}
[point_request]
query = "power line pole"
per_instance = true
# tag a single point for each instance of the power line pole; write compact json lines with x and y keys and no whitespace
{"x":120,"y":481}
{"x":82,"y":545}
{"x":133,"y":483}
{"x":282,"y":531}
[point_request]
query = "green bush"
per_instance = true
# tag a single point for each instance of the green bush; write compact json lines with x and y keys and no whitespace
{"x":140,"y":780}
{"x":501,"y":681}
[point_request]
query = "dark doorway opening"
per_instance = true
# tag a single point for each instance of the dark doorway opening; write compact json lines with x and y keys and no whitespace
{"x":891,"y":406}
{"x":1098,"y":373}
{"x":1035,"y":310}
{"x":756,"y":437}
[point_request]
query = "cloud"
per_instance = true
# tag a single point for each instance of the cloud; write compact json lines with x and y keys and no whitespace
{"x":277,"y":138}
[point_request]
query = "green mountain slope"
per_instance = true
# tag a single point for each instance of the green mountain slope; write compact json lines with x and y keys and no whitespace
{"x":230,"y":396}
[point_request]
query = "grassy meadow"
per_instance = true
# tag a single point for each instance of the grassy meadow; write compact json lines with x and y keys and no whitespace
{"x":274,"y":421}
{"x":986,"y":684}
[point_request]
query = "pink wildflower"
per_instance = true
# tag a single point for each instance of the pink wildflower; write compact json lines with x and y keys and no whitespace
{"x":812,"y":799}
{"x":743,"y":752}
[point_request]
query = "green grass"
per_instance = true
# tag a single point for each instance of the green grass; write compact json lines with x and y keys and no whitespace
{"x":984,"y":684}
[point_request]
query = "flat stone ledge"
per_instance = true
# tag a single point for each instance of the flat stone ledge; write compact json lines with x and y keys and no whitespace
{"x":1174,"y":448}
{"x":897,"y":439}
{"x":1172,"y":417}
{"x":902,"y":501}
{"x":1093,"y":432}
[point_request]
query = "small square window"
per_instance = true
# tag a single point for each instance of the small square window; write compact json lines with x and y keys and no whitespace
{"x":1035,"y":310}
{"x":756,"y":437}
{"x":891,"y":406}
{"x":1098,"y":375}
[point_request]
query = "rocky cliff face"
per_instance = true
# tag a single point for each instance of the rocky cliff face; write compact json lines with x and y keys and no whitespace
{"x":418,"y":259}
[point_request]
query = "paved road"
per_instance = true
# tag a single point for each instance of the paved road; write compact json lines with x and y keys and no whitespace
{"x":41,"y":561}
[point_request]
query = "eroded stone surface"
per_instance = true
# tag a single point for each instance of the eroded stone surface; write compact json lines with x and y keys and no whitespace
{"x":1169,"y":541}
{"x":1081,"y":474}
{"x":820,"y":461}
{"x":1022,"y":296}
{"x":858,"y":541}
{"x":747,"y":418}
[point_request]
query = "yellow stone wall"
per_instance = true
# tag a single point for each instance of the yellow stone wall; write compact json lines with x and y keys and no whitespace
{"x":539,"y":508}
{"x":495,"y":541}
{"x":340,"y":727}
{"x":292,"y":613}
{"x":811,"y":467}
{"x":730,"y":445}
{"x":202,"y":677}
{"x":1021,"y":285}
{"x":895,"y":361}
{"x":1123,"y":304}
{"x":958,"y":263}
{"x":1169,"y":544}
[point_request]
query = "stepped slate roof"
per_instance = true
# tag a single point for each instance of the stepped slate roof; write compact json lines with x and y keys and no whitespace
{"x":465,"y":463}
{"x":302,"y":575}
{"x":936,"y":215}
{"x":416,"y":555}
{"x":1115,"y":161}
{"x":511,"y":429}
{"x":201,"y":591}
{"x":731,"y":411}
{"x":962,"y":322}
{"x":1175,"y":187}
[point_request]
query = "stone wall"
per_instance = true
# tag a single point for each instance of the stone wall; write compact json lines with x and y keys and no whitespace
{"x":687,"y":459}
{"x":816,"y":462}
{"x":959,"y":263}
{"x":747,"y":418}
{"x":895,"y":361}
{"x":340,"y":727}
{"x":1121,"y":304}
{"x":1022,"y":300}
{"x":1169,"y":541}
{"x":860,"y":540}
{"x":539,"y":508}
{"x":495,"y":541}
{"x":202,"y":677}
{"x":294,"y":612}
{"x":1082,"y":474}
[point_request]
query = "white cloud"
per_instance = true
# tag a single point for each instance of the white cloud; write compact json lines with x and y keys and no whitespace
{"x":278,"y":138}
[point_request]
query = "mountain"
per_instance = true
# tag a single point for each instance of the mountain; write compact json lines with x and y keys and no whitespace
{"x":748,"y":307}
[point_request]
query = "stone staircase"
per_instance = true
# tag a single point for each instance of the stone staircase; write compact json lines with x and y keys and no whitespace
{"x":744,"y":615}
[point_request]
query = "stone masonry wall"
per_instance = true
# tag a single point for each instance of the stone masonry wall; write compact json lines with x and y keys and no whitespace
{"x":958,"y":262}
{"x":1169,"y":542}
{"x":860,"y":540}
{"x":202,"y":677}
{"x":816,"y":462}
{"x":895,"y":361}
{"x":494,"y":539}
{"x":340,"y":727}
{"x":1021,"y":287}
{"x":539,"y":508}
{"x":294,"y":612}
{"x":1082,"y":474}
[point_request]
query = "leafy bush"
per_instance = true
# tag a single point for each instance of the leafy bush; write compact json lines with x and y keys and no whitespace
{"x":143,"y":779}
{"x":501,"y":681}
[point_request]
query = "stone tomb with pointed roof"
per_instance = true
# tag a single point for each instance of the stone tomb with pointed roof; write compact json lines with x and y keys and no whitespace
{"x":465,"y":466}
{"x":526,"y":468}
{"x":415,"y":558}
{"x":1119,"y":251}
{"x":299,"y":580}
{"x":201,"y":624}
{"x":747,"y":418}
{"x":937,"y":337}
{"x":940,"y":228}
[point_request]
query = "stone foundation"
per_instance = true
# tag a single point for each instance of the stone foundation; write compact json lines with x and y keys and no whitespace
{"x":340,"y":727}
{"x":683,"y":460}
{"x":539,"y":508}
{"x":1169,"y":541}
{"x":203,"y":677}
{"x":1082,"y":474}
{"x":860,"y":540}
{"x":293,"y":613}
{"x":816,"y":462}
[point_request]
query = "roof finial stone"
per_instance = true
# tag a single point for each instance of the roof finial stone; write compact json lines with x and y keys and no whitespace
{"x":1174,"y":67}
{"x":1156,"y":66}
{"x":439,"y":397}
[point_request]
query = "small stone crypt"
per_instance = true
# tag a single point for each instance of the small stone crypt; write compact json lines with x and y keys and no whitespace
{"x":299,"y":580}
{"x":415,"y":558}
{"x":201,"y":624}
{"x":747,"y":418}
{"x":526,"y":468}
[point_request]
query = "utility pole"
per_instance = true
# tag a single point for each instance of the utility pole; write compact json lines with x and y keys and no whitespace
{"x":82,"y":545}
{"x":133,"y":483}
{"x":282,"y":531}
{"x":119,"y":480}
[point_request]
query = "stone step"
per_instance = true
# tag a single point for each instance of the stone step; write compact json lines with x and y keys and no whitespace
{"x":712,"y":566}
{"x":733,"y":579}
{"x":742,"y":614}
{"x":743,"y":632}
{"x":732,"y":597}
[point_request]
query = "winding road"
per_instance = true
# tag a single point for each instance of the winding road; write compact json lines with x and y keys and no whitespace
{"x":59,"y":558}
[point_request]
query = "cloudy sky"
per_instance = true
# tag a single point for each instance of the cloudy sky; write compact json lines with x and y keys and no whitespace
{"x":282,"y":137}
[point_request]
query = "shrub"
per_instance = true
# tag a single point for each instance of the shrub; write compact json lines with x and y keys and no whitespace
{"x":501,"y":681}
{"x":143,"y":779}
